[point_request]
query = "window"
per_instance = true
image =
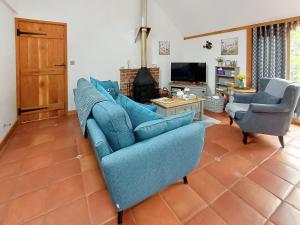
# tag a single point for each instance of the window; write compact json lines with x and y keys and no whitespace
{"x":295,"y":55}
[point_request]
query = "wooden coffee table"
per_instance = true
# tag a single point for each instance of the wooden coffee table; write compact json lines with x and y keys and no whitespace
{"x":178,"y":105}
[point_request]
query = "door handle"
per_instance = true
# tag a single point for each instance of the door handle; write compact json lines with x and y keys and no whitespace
{"x":60,"y":65}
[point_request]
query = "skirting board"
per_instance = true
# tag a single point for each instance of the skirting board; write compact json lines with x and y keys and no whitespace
{"x":72,"y":112}
{"x":7,"y":136}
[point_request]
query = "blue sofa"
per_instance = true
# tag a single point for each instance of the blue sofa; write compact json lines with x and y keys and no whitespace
{"x":164,"y":152}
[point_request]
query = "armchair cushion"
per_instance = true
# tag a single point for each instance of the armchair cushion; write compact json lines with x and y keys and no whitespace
{"x":232,"y":108}
{"x":137,"y":113}
{"x":156,"y":127}
{"x":263,"y":97}
{"x":115,"y":124}
{"x":276,"y":87}
{"x":243,"y":98}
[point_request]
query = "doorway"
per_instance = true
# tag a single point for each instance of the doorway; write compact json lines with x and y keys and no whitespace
{"x":41,"y":51}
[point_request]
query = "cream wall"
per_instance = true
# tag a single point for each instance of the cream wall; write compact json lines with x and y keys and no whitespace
{"x":8,"y":110}
{"x":193,"y":51}
{"x":101,"y":35}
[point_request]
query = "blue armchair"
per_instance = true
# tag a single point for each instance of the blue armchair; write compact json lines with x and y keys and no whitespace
{"x":269,"y":111}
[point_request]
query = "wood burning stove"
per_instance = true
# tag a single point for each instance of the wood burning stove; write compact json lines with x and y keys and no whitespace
{"x":144,"y":85}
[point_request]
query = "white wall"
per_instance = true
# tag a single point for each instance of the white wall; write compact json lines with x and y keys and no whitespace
{"x":7,"y":70}
{"x":194,"y":52}
{"x":198,"y":17}
{"x":101,"y":35}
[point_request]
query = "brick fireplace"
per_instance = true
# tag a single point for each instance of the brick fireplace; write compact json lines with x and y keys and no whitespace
{"x":127,"y":77}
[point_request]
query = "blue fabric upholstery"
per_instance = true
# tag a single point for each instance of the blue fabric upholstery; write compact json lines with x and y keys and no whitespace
{"x":137,"y":113}
{"x":112,"y":87}
{"x":115,"y":124}
{"x":98,"y":139}
{"x":263,"y":97}
{"x":104,"y":92}
{"x":153,"y":108}
{"x":143,"y":169}
{"x":156,"y":127}
{"x":86,"y":96}
{"x":272,"y":119}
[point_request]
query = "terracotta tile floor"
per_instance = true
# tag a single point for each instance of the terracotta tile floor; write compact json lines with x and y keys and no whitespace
{"x":49,"y":176}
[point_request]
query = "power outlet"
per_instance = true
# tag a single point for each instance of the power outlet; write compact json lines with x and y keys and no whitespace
{"x":5,"y":125}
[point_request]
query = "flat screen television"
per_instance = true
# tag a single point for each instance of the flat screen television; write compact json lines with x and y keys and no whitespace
{"x":192,"y":72}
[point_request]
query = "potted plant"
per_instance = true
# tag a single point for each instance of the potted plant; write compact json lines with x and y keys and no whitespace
{"x":220,"y":61}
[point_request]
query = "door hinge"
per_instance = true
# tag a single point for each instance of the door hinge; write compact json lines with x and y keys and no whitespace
{"x":19,"y":33}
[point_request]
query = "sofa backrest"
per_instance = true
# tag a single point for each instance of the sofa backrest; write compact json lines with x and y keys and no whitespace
{"x":114,"y":122}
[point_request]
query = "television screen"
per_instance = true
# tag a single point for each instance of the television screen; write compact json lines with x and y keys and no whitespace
{"x":193,"y":72}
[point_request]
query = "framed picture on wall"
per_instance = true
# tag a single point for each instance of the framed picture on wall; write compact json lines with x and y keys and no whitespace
{"x":230,"y":46}
{"x":164,"y":47}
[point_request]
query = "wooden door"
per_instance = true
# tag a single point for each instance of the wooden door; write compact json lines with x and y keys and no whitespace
{"x":41,"y":69}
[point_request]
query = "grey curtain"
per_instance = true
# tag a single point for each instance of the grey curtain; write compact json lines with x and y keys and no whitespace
{"x":269,"y":52}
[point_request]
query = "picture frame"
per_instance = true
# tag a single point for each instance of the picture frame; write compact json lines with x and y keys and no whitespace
{"x":230,"y":46}
{"x":164,"y":47}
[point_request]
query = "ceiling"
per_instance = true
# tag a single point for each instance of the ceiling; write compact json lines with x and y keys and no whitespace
{"x":198,"y":16}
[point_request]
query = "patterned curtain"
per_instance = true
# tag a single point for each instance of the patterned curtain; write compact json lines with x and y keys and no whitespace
{"x":269,"y":52}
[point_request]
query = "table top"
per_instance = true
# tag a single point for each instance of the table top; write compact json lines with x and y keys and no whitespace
{"x":247,"y":90}
{"x":176,"y":102}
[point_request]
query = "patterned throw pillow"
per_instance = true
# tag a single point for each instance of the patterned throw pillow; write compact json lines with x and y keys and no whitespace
{"x":112,"y":87}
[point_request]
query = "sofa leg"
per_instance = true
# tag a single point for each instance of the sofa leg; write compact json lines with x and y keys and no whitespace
{"x":281,"y":140}
{"x":245,"y":139}
{"x":185,"y":180}
{"x":231,"y":120}
{"x":120,"y":218}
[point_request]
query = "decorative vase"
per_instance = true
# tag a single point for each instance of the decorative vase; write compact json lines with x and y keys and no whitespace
{"x":220,"y":63}
{"x":241,"y":84}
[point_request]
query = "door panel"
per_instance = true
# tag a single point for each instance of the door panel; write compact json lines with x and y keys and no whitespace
{"x":42,"y":69}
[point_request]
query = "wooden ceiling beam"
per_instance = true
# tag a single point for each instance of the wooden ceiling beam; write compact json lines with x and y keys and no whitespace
{"x":291,"y":19}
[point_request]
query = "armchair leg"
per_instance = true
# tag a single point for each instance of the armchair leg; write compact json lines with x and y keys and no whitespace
{"x":281,"y":141}
{"x":231,"y":120}
{"x":120,"y":218}
{"x":185,"y":180}
{"x":245,"y":139}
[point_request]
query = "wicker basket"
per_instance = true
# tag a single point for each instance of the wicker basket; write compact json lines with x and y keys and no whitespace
{"x":214,"y":103}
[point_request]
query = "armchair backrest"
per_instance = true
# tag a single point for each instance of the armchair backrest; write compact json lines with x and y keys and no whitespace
{"x":291,"y":97}
{"x":287,"y":90}
{"x":274,"y":86}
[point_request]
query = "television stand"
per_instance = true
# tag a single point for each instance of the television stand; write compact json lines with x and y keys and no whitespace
{"x":199,"y":89}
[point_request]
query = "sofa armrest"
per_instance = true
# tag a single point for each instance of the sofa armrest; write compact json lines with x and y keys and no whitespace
{"x":243,"y":98}
{"x":134,"y":173}
{"x":269,"y":108}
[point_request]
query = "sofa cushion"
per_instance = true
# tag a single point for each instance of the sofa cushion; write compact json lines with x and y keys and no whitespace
{"x":153,"y":108}
{"x":115,"y":124}
{"x":98,"y":139}
{"x":156,"y":127}
{"x":137,"y":113}
{"x":112,"y":87}
{"x":101,"y":89}
{"x":263,"y":97}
